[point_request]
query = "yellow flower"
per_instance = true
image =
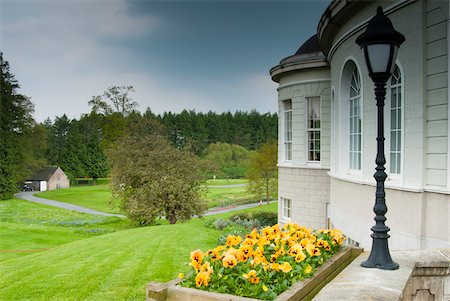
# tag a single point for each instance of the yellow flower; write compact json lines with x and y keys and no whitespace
{"x":229,"y":261}
{"x":295,"y":250}
{"x":310,"y":249}
{"x":214,"y":255}
{"x":249,"y":242}
{"x":316,"y":252}
{"x":285,"y":267}
{"x":304,"y":242}
{"x":308,"y":269}
{"x":196,"y":265}
{"x":300,"y":257}
{"x":251,"y":276}
{"x":233,"y":240}
{"x":181,"y":275}
{"x":275,"y":266}
{"x":247,"y":252}
{"x":206,"y":267}
{"x":197,"y":256}
{"x":202,"y":279}
{"x":265,"y":288}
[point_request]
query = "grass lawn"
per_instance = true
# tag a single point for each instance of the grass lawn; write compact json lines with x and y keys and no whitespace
{"x":98,"y":197}
{"x":114,"y":266}
{"x":29,"y":227}
{"x":218,"y":196}
{"x":95,"y":197}
{"x":221,"y":182}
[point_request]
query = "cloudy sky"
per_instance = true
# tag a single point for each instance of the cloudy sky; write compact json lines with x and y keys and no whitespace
{"x":199,"y":55}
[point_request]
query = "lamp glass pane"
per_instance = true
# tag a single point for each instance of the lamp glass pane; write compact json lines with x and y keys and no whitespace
{"x":394,"y":57}
{"x":378,"y":55}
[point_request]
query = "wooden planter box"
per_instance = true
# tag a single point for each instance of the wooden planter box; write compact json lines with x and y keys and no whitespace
{"x":302,"y":290}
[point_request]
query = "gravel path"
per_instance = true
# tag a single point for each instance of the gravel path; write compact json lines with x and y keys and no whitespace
{"x":29,"y":196}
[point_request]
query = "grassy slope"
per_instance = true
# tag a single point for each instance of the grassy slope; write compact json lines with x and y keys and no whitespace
{"x":30,"y":227}
{"x":114,"y":266}
{"x":94,"y":197}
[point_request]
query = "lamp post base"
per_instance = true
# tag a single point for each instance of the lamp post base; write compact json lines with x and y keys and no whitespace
{"x":380,"y":257}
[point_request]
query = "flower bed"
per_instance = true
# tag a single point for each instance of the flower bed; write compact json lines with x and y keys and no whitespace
{"x":263,"y":264}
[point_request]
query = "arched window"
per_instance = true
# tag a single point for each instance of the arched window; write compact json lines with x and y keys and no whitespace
{"x":396,"y":122}
{"x":355,"y":121}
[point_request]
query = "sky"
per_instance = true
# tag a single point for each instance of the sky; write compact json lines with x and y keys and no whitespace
{"x":205,"y":55}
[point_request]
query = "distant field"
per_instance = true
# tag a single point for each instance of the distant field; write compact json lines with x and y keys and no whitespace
{"x":114,"y":266}
{"x":95,"y":197}
{"x":31,"y":227}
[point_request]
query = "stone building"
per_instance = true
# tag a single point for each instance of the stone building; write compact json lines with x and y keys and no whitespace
{"x":48,"y":178}
{"x":327,"y":127}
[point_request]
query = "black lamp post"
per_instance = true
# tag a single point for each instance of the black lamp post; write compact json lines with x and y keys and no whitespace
{"x":380,"y":43}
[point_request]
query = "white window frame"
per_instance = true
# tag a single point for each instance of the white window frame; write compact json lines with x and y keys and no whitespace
{"x":355,"y":117}
{"x":313,"y":129}
{"x":287,"y":129}
{"x":399,"y":125}
{"x":286,"y":206}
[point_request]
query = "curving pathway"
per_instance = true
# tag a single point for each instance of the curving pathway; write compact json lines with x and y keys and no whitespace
{"x":29,"y":196}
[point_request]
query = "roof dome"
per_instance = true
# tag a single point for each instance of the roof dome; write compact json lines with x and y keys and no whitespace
{"x":311,"y":45}
{"x":308,"y":56}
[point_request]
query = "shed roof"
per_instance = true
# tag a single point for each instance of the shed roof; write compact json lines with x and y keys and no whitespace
{"x":43,"y":174}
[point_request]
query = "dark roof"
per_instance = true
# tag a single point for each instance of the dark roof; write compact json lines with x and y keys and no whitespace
{"x":43,"y":174}
{"x":311,"y":45}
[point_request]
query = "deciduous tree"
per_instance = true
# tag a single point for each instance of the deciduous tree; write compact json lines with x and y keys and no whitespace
{"x":114,"y":99}
{"x":262,"y":174}
{"x":152,"y":178}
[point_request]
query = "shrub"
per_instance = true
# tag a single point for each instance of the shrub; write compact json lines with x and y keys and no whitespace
{"x":266,"y":218}
{"x":263,"y":264}
{"x":240,"y":215}
{"x":221,"y":224}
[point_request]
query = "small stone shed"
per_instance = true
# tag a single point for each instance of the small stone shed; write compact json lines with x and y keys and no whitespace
{"x":48,"y":178}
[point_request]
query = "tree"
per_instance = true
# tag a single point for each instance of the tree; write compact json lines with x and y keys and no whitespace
{"x":232,"y":160}
{"x":114,"y":99}
{"x":15,"y":121}
{"x":262,"y":173}
{"x":152,"y":178}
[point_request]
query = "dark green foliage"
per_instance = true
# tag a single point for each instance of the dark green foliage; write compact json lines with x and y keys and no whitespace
{"x":266,"y":218}
{"x":15,"y":122}
{"x":76,"y":146}
{"x":231,"y":160}
{"x":247,"y":129}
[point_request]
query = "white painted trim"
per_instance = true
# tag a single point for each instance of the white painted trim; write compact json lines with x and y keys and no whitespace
{"x":343,"y":114}
{"x":306,"y":138}
{"x":387,"y":11}
{"x":448,"y":101}
{"x":387,"y":131}
{"x":302,"y":82}
{"x":299,"y":166}
{"x":349,"y":178}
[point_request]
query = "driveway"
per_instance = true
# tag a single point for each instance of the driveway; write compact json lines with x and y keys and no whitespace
{"x":29,"y":196}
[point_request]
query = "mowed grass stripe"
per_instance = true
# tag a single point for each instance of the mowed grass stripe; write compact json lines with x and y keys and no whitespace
{"x":110,"y":267}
